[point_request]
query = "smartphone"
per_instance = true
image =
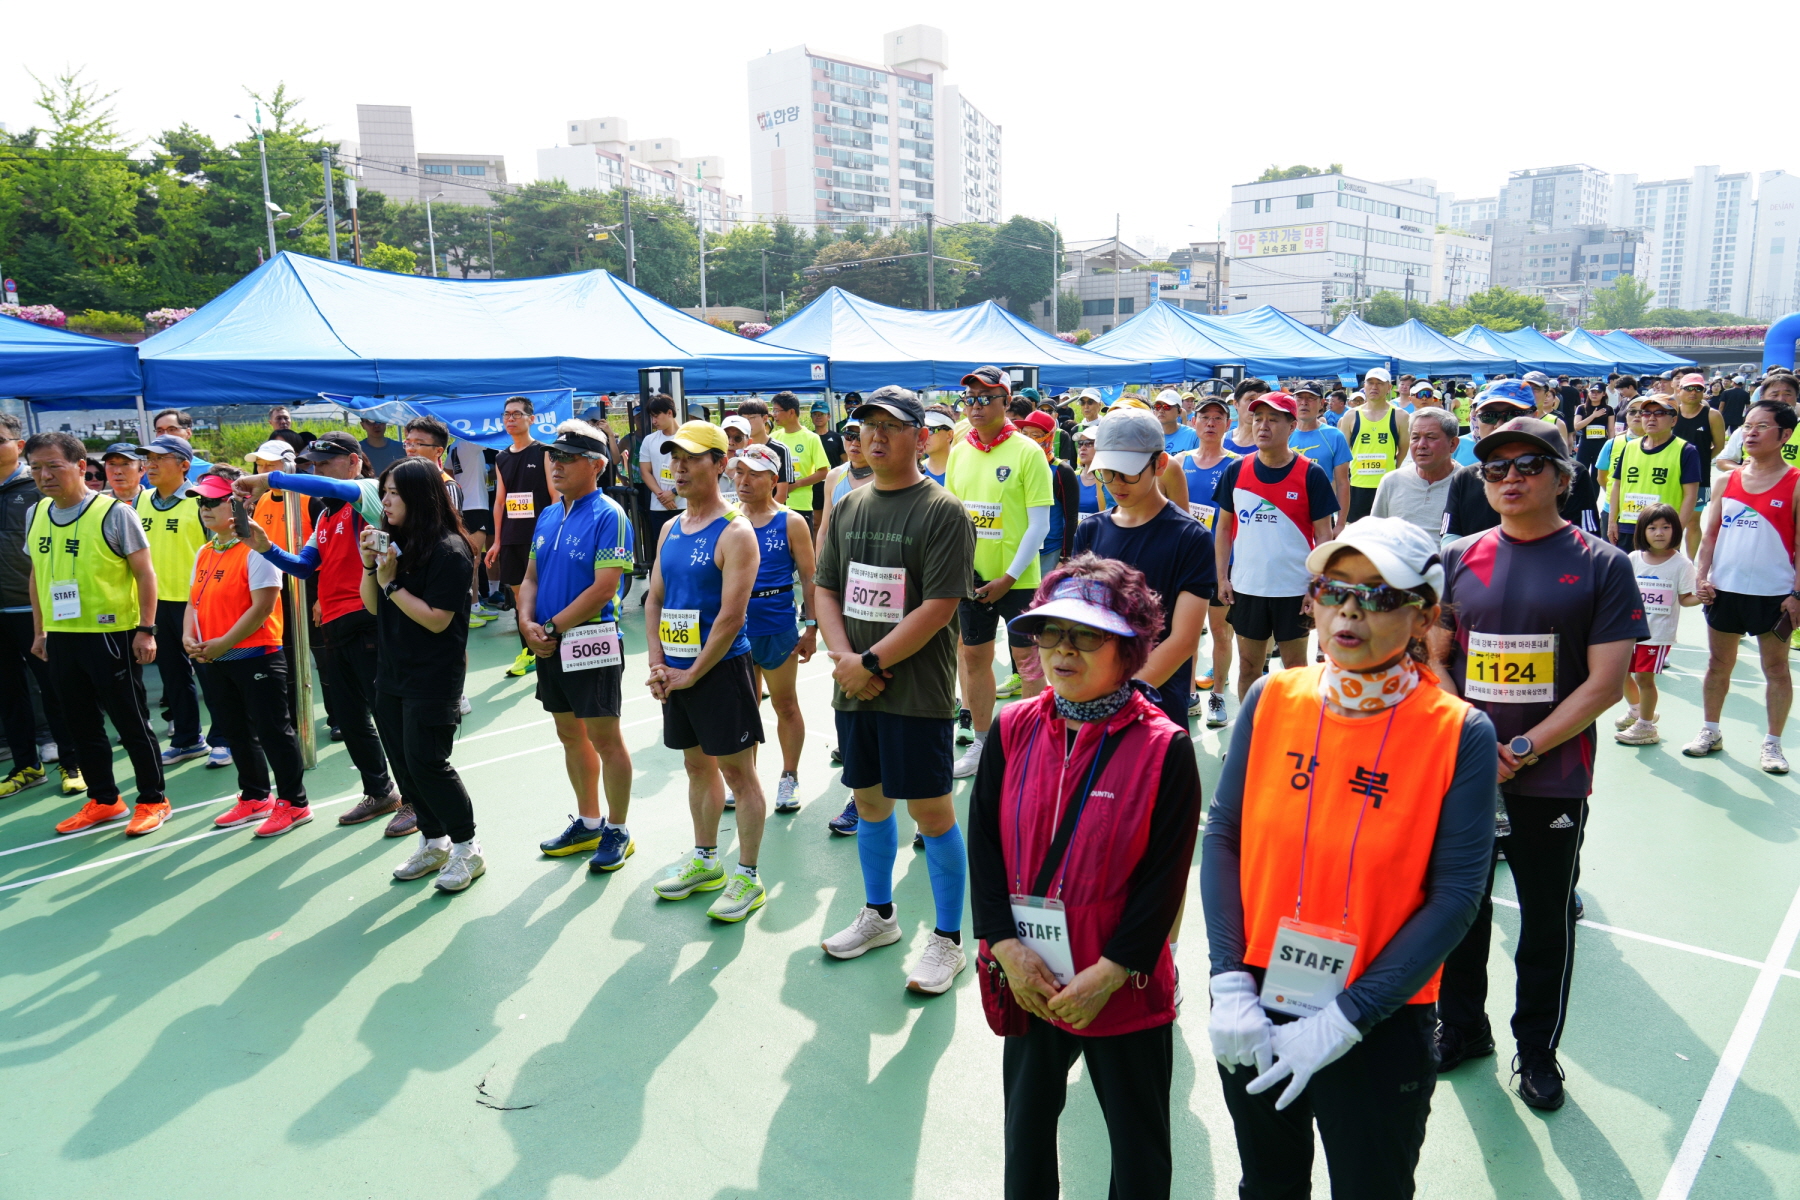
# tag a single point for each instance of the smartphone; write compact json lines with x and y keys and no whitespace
{"x":240,"y":519}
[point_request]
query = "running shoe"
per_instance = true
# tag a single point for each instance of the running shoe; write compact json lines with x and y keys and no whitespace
{"x":476,"y":621}
{"x":148,"y":817}
{"x":730,"y":800}
{"x":938,"y":967}
{"x":463,"y":706}
{"x":1203,"y":682}
{"x":19,"y":780}
{"x":48,"y":753}
{"x":743,"y":896}
{"x":846,"y":822}
{"x":464,"y":866}
{"x":692,"y":876}
{"x":181,"y":754}
{"x":837,"y":757}
{"x":1195,"y":704}
{"x":1215,"y":710}
{"x":370,"y":807}
{"x":785,"y":801}
{"x":1580,"y":908}
{"x":243,"y":812}
{"x":283,"y":817}
{"x":969,"y":761}
{"x":404,"y":821}
{"x":870,"y":931}
{"x":1705,"y":743}
{"x":1540,"y":1079}
{"x":918,"y":840}
{"x":72,"y":782}
{"x":481,"y":607}
{"x":426,"y":860}
{"x":615,"y":847}
{"x":1628,"y":720}
{"x":523,"y":665}
{"x":1771,"y":759}
{"x":965,"y":727}
{"x":1012,"y":687}
{"x":576,"y":839}
{"x":1639,"y":733}
{"x":91,"y":814}
{"x":337,"y":735}
{"x":217,"y":757}
{"x":1455,"y":1046}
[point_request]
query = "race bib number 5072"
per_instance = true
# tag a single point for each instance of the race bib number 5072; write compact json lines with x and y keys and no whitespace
{"x":875,"y":593}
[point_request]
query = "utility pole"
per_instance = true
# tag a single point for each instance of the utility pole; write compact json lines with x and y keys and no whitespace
{"x":330,"y":205}
{"x":1118,"y":267}
{"x":630,"y":242}
{"x":931,"y":262}
{"x":1055,"y":272}
{"x":700,"y":208}
{"x":765,"y":283}
{"x":355,"y":221}
{"x":493,"y":273}
{"x":1362,"y":267}
{"x":431,"y":235}
{"x":262,"y":152}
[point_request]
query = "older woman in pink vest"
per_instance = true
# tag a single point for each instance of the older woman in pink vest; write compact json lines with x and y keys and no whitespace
{"x":1082,"y":826}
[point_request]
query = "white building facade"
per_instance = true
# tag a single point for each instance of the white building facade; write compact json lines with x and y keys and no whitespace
{"x":1461,"y":264}
{"x":603,"y":156}
{"x":386,"y":160}
{"x":1775,"y":250}
{"x":1555,"y":198}
{"x":1478,"y":215}
{"x":1703,"y":227}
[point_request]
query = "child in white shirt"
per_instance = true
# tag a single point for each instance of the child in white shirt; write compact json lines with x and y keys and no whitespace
{"x":1665,"y":579}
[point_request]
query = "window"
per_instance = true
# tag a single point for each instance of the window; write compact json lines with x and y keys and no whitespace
{"x":1305,"y":201}
{"x":1777,"y":245}
{"x":467,"y":170}
{"x":437,"y":168}
{"x":1127,"y":304}
{"x":1096,"y":308}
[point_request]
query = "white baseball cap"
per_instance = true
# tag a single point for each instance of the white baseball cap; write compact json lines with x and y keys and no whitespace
{"x":1405,"y":555}
{"x":1380,"y":373}
{"x":741,"y":424}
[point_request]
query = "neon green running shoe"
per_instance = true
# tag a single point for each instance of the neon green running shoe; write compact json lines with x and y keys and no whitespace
{"x":743,"y":896}
{"x":694,"y":876}
{"x":525,"y":664}
{"x":1012,"y":687}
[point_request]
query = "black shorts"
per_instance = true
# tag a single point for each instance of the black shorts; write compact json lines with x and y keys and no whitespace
{"x":595,"y":692}
{"x":512,"y":563}
{"x":1362,"y":503}
{"x":980,"y":622}
{"x":1734,"y":612}
{"x":1260,"y":618}
{"x":719,"y":713}
{"x":910,"y":758}
{"x":478,"y":520}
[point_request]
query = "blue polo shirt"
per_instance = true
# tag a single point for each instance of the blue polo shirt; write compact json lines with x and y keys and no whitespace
{"x":569,"y":546}
{"x":1324,"y":445}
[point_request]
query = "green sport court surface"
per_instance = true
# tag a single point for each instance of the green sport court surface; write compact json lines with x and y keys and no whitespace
{"x":197,"y":1015}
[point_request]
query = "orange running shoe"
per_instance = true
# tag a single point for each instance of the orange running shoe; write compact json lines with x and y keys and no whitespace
{"x":92,"y":813}
{"x":148,"y":818}
{"x":284,"y":817}
{"x":243,"y":812}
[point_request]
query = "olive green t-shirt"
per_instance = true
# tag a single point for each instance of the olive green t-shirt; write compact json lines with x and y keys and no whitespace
{"x":923,"y":531}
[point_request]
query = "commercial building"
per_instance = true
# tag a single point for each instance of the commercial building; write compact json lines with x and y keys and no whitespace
{"x":1703,"y":226}
{"x":840,"y":142}
{"x":1556,"y":197}
{"x":1461,"y":264}
{"x":387,"y":161}
{"x":602,"y":156}
{"x":1774,"y":289}
{"x":1479,"y":215}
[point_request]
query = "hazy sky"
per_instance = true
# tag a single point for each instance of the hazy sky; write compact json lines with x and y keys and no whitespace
{"x":1150,"y":109}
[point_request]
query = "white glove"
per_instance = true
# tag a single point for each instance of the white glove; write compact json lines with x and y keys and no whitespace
{"x":1304,"y":1048}
{"x":1239,"y":1027}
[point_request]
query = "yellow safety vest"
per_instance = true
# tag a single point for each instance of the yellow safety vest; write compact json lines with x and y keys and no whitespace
{"x":1375,"y":452}
{"x":1648,"y":479}
{"x":175,"y":536}
{"x":77,"y":557}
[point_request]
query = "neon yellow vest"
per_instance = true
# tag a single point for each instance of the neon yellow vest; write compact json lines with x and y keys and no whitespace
{"x":79,"y":554}
{"x":1647,"y":479}
{"x":1462,"y":411}
{"x":1375,"y":452}
{"x":175,"y":536}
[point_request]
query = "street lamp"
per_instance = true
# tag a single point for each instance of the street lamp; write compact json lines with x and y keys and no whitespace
{"x":430,"y":233}
{"x":262,"y":152}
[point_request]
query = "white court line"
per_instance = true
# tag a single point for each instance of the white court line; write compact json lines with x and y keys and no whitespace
{"x":1697,"y":1143}
{"x":1665,"y":942}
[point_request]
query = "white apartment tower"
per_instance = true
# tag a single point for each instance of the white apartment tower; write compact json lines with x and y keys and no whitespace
{"x":839,"y":142}
{"x":1552,"y":198}
{"x":1775,"y":252}
{"x":1703,"y":226}
{"x":386,"y":161}
{"x":602,"y":156}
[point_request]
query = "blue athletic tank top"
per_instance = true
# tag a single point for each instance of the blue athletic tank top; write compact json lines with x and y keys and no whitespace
{"x":1238,"y":448}
{"x":931,"y":475}
{"x":1090,"y":496}
{"x":692,"y":584}
{"x":841,"y":488}
{"x":772,"y":598}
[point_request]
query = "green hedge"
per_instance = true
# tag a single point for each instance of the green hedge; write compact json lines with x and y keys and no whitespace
{"x":95,"y":321}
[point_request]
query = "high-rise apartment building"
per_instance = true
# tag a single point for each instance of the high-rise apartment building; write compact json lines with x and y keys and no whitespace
{"x":1775,"y":251}
{"x":839,"y":142}
{"x":1556,"y":197}
{"x":603,"y":156}
{"x":1703,"y":226}
{"x":1478,"y":216}
{"x":387,"y":162}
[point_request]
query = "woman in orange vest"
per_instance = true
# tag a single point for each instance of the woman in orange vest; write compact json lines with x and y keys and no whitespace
{"x":1345,"y":855}
{"x":234,"y":631}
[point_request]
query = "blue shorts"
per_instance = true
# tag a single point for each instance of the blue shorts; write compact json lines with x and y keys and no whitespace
{"x":909,"y":758}
{"x":771,"y":650}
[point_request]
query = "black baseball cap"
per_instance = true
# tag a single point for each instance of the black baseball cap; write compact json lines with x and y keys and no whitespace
{"x":1310,"y":385}
{"x":896,"y":401}
{"x":130,"y":450}
{"x":1529,"y":430}
{"x":330,"y":445}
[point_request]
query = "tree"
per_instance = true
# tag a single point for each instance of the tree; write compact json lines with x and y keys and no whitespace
{"x":79,"y":187}
{"x":1502,"y":304}
{"x":1388,"y":309}
{"x":1068,"y":312}
{"x":1275,"y":173}
{"x":1621,"y":306}
{"x":1690,"y":318}
{"x":1016,"y":264}
{"x":392,"y":258}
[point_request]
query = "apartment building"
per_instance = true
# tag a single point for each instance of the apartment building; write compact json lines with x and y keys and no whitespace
{"x":602,"y":156}
{"x":387,"y":161}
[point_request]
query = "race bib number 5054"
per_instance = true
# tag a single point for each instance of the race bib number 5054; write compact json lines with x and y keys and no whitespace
{"x":1511,"y":668}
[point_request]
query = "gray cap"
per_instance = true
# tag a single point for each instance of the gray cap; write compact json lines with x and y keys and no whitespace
{"x":1536,"y":379}
{"x":1126,"y":439}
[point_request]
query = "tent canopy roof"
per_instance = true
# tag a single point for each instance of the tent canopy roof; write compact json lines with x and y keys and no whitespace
{"x":1652,"y":360}
{"x":1266,"y":341}
{"x":872,"y":344}
{"x":1535,"y":352}
{"x":299,"y":325}
{"x":1418,"y":349}
{"x":44,"y":364}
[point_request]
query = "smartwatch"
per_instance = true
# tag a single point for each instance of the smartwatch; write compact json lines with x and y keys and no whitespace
{"x":392,"y":587}
{"x":149,"y":629}
{"x":550,"y":627}
{"x":815,"y":624}
{"x":870,"y":663}
{"x":1520,"y":746}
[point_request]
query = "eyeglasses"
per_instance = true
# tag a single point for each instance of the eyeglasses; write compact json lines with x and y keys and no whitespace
{"x":565,"y":457}
{"x":1112,"y":477}
{"x":1495,"y":470}
{"x":884,"y":428}
{"x":1086,"y":640}
{"x":1370,"y":597}
{"x":509,"y":414}
{"x":210,"y":502}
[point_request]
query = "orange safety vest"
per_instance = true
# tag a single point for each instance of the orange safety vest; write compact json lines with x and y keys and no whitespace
{"x":271,"y":514}
{"x":1396,"y":800}
{"x":221,"y":594}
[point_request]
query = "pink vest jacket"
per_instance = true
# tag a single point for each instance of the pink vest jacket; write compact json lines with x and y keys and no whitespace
{"x":1109,"y":841}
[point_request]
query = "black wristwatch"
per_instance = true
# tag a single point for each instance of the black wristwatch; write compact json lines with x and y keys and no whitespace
{"x":392,"y":587}
{"x":870,"y":663}
{"x":550,"y":627}
{"x":1521,"y":746}
{"x":149,"y":629}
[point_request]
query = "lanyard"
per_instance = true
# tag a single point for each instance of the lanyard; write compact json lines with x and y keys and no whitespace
{"x":1306,"y":829}
{"x":206,"y":579}
{"x":1019,"y":808}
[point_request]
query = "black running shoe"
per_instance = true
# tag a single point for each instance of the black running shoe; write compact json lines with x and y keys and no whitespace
{"x":845,"y":823}
{"x":1540,"y":1079}
{"x":1454,"y":1045}
{"x":965,"y":727}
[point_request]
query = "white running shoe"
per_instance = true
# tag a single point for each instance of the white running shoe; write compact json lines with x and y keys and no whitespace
{"x":785,"y":787}
{"x":1772,"y":759}
{"x":463,"y":706}
{"x":1639,"y":733}
{"x":690,"y":876}
{"x":1707,"y":742}
{"x":1215,"y":710}
{"x":869,"y":931}
{"x":464,"y":866}
{"x":938,"y":967}
{"x":1625,"y":722}
{"x":426,"y":860}
{"x":969,"y":761}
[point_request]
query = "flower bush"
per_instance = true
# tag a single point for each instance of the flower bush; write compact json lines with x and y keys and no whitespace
{"x":753,"y":329}
{"x":162,"y":318}
{"x":1729,"y":334}
{"x":96,"y":321}
{"x":37,"y":314}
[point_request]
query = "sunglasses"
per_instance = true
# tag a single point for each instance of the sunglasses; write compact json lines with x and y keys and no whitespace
{"x":1110,"y":477}
{"x":984,"y":401}
{"x":1370,"y":597}
{"x":210,"y":502}
{"x":1049,"y":637}
{"x":566,"y":457}
{"x":853,"y":435}
{"x":1495,"y":470}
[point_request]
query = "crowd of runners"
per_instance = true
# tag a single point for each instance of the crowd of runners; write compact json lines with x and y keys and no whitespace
{"x":1481,"y":574}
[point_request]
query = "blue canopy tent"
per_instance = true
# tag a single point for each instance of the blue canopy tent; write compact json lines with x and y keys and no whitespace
{"x":1636,"y":361}
{"x":1641,"y":357}
{"x":56,"y":369}
{"x":872,"y":344}
{"x":1271,"y":343}
{"x":1535,"y":352}
{"x":297,"y":326}
{"x":1418,"y":349}
{"x":1176,"y":348}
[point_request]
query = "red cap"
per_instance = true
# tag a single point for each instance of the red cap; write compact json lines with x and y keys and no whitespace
{"x":1280,"y":401}
{"x":1040,"y":419}
{"x":210,"y":486}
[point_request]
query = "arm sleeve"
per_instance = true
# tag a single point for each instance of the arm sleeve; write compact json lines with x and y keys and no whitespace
{"x":316,"y":485}
{"x":988,"y":891}
{"x":1070,"y":500}
{"x":302,"y":565}
{"x":1159,"y":881}
{"x":1037,"y":528}
{"x":1455,"y":880}
{"x":1221,"y":889}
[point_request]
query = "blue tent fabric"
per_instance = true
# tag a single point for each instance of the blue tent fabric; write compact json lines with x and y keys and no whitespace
{"x":469,"y":418}
{"x":1267,"y":342}
{"x":299,"y":325}
{"x":1583,"y":342}
{"x":871,"y":345}
{"x":56,"y":368}
{"x":1418,"y":349}
{"x":1535,"y":352}
{"x":1653,"y":361}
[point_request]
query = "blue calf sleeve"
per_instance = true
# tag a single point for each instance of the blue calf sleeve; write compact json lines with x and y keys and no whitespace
{"x":877,"y":844}
{"x":947,"y":860}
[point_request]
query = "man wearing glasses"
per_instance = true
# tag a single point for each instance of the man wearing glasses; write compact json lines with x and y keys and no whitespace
{"x":1539,"y":621}
{"x":1658,"y":468}
{"x":1004,"y":484}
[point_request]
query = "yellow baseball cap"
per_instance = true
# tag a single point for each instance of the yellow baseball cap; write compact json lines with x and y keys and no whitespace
{"x":697,"y":437}
{"x":1130,"y":402}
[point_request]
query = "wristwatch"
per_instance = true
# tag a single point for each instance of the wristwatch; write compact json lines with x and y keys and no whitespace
{"x":814,"y":624}
{"x":149,"y":629}
{"x":392,"y":587}
{"x":1520,"y":746}
{"x":870,"y":663}
{"x":550,"y":627}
